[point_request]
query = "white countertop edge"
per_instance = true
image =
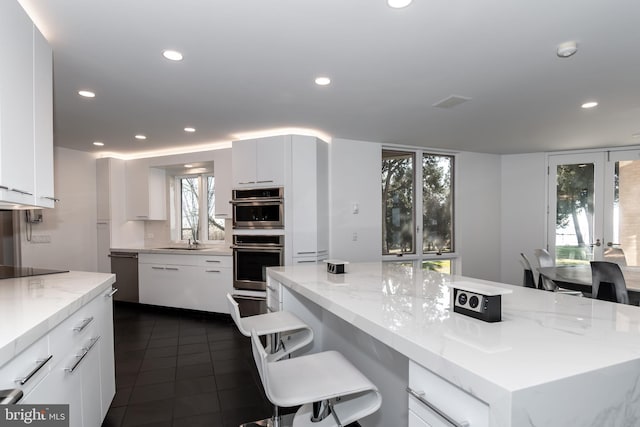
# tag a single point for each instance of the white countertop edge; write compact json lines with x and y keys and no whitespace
{"x":216,"y":251}
{"x":71,"y":296}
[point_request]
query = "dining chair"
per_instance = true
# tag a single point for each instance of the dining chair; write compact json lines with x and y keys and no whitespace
{"x":528,"y":281}
{"x":609,"y":273}
{"x":544,"y":259}
{"x":615,"y":255}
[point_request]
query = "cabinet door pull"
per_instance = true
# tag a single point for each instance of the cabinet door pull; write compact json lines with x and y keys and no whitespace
{"x":306,"y":253}
{"x":212,"y":271}
{"x":83,"y":325}
{"x":172,"y":268}
{"x":420,"y":396}
{"x":213,"y":260}
{"x":85,"y":351}
{"x":247,"y":182}
{"x":157,"y":268}
{"x":50,"y":198}
{"x":39,"y":365}
{"x":264,"y":181}
{"x":26,"y":193}
{"x":3,"y":187}
{"x":309,"y":261}
{"x":142,"y":216}
{"x":110,"y":294}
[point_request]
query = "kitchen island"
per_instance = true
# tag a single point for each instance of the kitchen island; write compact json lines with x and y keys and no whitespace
{"x":56,"y":342}
{"x":553,"y":360}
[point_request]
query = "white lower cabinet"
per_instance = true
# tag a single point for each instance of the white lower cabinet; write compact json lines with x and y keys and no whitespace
{"x":194,"y":282}
{"x":80,"y":368}
{"x":435,"y":402}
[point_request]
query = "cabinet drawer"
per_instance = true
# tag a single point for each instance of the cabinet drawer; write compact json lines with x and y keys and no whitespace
{"x":28,"y":368}
{"x":215,"y":261}
{"x":440,"y":403}
{"x":68,"y":337}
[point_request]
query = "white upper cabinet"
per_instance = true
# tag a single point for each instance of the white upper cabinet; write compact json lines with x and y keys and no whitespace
{"x":222,"y":173}
{"x":26,"y":132}
{"x":146,"y":192}
{"x":259,"y":162}
{"x":43,"y":120}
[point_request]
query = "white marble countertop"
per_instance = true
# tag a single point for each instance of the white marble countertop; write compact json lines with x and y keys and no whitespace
{"x":543,"y":336}
{"x":31,"y":306}
{"x":217,"y":249}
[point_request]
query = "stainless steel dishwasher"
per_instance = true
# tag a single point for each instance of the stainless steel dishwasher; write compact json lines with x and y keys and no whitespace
{"x":125,"y":266}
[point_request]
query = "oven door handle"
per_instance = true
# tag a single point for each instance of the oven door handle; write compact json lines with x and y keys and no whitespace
{"x":249,"y":297}
{"x":257,"y":202}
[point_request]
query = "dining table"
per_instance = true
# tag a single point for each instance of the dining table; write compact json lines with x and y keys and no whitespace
{"x":578,"y":278}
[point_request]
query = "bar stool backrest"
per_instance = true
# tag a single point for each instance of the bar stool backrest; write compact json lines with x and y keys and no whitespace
{"x":234,"y":310}
{"x":544,"y":258}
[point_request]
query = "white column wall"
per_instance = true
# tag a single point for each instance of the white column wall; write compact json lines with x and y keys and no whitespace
{"x":478,"y":215}
{"x":523,"y":202}
{"x":354,"y":178}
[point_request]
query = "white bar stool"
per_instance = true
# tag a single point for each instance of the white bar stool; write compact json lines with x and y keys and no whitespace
{"x":285,"y":334}
{"x":332,"y":392}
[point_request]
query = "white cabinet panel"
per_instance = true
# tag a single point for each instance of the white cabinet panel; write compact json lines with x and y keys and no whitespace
{"x":146,"y":192}
{"x":259,"y":162}
{"x":16,"y":105}
{"x":223,"y":179}
{"x":43,"y":120}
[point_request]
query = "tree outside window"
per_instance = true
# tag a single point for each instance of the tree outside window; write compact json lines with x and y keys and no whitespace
{"x":194,"y":214}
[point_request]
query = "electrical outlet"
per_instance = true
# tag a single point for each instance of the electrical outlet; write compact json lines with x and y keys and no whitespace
{"x":41,"y":238}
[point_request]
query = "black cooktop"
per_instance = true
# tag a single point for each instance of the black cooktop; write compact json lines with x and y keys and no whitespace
{"x":12,"y":272}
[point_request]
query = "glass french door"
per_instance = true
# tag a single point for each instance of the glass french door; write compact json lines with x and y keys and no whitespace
{"x":594,"y":208}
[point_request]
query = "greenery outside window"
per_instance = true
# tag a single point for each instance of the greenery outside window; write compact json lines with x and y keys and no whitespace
{"x":196,"y":199}
{"x":429,"y":242}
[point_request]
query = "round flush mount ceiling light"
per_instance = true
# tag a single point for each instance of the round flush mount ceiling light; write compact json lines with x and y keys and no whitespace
{"x":98,"y":143}
{"x":323,"y":81}
{"x":87,"y":93}
{"x":188,"y":166}
{"x":398,"y":4}
{"x":590,"y":104}
{"x":140,"y":137}
{"x":172,"y":55}
{"x":189,"y":129}
{"x":567,"y":49}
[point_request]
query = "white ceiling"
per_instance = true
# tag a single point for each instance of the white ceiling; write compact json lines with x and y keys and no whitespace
{"x":249,"y":65}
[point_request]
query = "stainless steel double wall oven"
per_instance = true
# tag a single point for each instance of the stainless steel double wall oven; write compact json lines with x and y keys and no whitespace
{"x":258,"y":243}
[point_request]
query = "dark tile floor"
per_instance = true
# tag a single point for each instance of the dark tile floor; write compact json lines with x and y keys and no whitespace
{"x":176,"y":368}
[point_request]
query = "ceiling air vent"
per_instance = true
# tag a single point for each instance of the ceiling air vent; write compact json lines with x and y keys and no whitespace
{"x":451,"y":101}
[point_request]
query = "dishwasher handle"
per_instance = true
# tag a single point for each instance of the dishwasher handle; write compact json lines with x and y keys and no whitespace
{"x":122,"y":255}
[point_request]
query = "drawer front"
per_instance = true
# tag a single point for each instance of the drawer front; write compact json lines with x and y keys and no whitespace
{"x":28,"y":368}
{"x":440,"y":403}
{"x":70,"y":336}
{"x":416,"y":421}
{"x":215,"y":261}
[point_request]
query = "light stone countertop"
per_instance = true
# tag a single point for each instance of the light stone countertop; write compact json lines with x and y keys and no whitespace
{"x":553,"y":359}
{"x":216,"y":249}
{"x":32,"y":306}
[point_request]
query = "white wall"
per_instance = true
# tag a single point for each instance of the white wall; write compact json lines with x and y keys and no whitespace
{"x":354,"y":177}
{"x":523,"y":204}
{"x":71,"y":225}
{"x":478,"y":214}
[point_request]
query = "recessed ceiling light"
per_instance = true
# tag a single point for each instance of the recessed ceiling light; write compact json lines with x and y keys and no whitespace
{"x":567,"y":49}
{"x":140,"y":136}
{"x":589,"y":104}
{"x":172,"y":55}
{"x":86,"y":93}
{"x":98,"y":143}
{"x":323,"y":81}
{"x":188,"y":166}
{"x":189,"y":129}
{"x":398,"y":4}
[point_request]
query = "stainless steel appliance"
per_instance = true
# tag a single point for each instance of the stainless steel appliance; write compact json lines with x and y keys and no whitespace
{"x":252,"y":254}
{"x":259,"y":208}
{"x":125,"y":266}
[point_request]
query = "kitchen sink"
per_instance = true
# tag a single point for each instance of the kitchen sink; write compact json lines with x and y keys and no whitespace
{"x":185,"y":248}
